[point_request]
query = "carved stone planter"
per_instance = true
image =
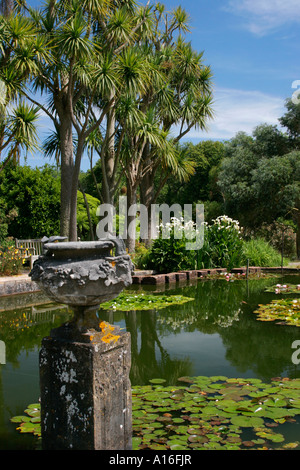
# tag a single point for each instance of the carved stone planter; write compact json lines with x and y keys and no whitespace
{"x":82,"y":273}
{"x":84,"y":370}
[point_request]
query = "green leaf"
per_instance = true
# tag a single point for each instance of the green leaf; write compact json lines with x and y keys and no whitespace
{"x":247,"y":421}
{"x":157,"y":381}
{"x":20,"y":419}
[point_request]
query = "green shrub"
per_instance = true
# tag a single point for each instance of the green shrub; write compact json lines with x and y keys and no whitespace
{"x":225,"y":242}
{"x":261,"y":253}
{"x":140,"y":257}
{"x":280,"y":231}
{"x":83,"y":225}
{"x":170,"y":254}
{"x":222,"y":247}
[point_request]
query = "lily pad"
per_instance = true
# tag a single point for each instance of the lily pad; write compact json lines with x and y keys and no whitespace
{"x":20,"y":419}
{"x":282,"y":311}
{"x":247,"y":421}
{"x":239,"y":415}
{"x":157,"y":381}
{"x":284,"y":289}
{"x":127,"y":301}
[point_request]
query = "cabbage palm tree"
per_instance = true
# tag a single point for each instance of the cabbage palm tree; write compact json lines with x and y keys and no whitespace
{"x":181,"y":100}
{"x":83,"y":41}
{"x":18,"y":119}
{"x":166,"y":85}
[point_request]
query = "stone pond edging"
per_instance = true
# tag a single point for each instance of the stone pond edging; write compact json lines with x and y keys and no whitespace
{"x":157,"y":279}
{"x":22,"y":284}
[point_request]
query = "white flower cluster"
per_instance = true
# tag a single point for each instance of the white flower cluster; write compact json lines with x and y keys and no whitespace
{"x":227,"y":222}
{"x":180,"y":226}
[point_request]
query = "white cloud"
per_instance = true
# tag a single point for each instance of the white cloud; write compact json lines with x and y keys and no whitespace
{"x":264,"y":16}
{"x":238,"y":110}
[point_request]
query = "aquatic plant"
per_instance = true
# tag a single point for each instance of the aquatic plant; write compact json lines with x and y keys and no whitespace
{"x":284,"y":289}
{"x":127,"y":301}
{"x":282,"y":311}
{"x":205,"y":413}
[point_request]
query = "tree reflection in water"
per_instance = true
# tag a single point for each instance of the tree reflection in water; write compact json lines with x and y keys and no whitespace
{"x":221,"y":310}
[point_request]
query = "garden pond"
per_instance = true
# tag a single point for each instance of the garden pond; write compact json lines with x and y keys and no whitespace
{"x":207,"y":372}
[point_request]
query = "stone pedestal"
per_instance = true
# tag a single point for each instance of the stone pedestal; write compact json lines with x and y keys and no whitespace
{"x":85,"y":391}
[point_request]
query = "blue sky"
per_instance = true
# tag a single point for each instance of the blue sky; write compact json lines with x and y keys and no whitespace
{"x":253,"y":49}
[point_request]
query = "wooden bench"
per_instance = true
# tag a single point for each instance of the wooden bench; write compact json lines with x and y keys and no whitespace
{"x":31,"y":249}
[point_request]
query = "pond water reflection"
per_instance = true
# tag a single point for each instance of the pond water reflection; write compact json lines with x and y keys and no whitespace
{"x":215,"y":334}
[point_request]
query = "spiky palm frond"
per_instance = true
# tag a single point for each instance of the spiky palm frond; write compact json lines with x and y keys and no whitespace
{"x":97,"y":7}
{"x":12,"y":81}
{"x":180,"y":20}
{"x":20,"y":29}
{"x":71,"y":40}
{"x":51,"y":146}
{"x":128,"y":113}
{"x":22,"y":125}
{"x":134,"y":71}
{"x":149,"y":129}
{"x":119,"y":28}
{"x":105,"y":75}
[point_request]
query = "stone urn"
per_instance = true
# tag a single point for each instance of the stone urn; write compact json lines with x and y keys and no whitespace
{"x":83,"y":275}
{"x":84,"y":367}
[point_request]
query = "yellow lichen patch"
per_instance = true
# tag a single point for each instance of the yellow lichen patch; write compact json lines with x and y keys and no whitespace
{"x":108,"y":338}
{"x":106,"y":327}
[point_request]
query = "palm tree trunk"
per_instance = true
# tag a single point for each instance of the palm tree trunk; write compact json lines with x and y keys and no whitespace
{"x":131,"y":200}
{"x":108,"y":158}
{"x":6,"y":7}
{"x":147,"y":199}
{"x":74,"y":189}
{"x":67,"y":168}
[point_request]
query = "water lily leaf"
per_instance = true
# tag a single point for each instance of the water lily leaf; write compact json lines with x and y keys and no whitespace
{"x":277,"y":402}
{"x":127,"y":301}
{"x":282,"y":311}
{"x":157,"y":447}
{"x":20,"y":419}
{"x":284,"y":289}
{"x":35,"y":406}
{"x":32,"y":412}
{"x":194,"y":438}
{"x":234,"y":439}
{"x":157,"y":381}
{"x":247,"y":421}
{"x":136,"y":441}
{"x":27,"y":427}
{"x":186,"y":379}
{"x":177,"y":447}
{"x":138,"y":413}
{"x":248,"y":443}
{"x":218,"y":378}
{"x":36,"y":419}
{"x":291,"y":445}
{"x":205,"y":413}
